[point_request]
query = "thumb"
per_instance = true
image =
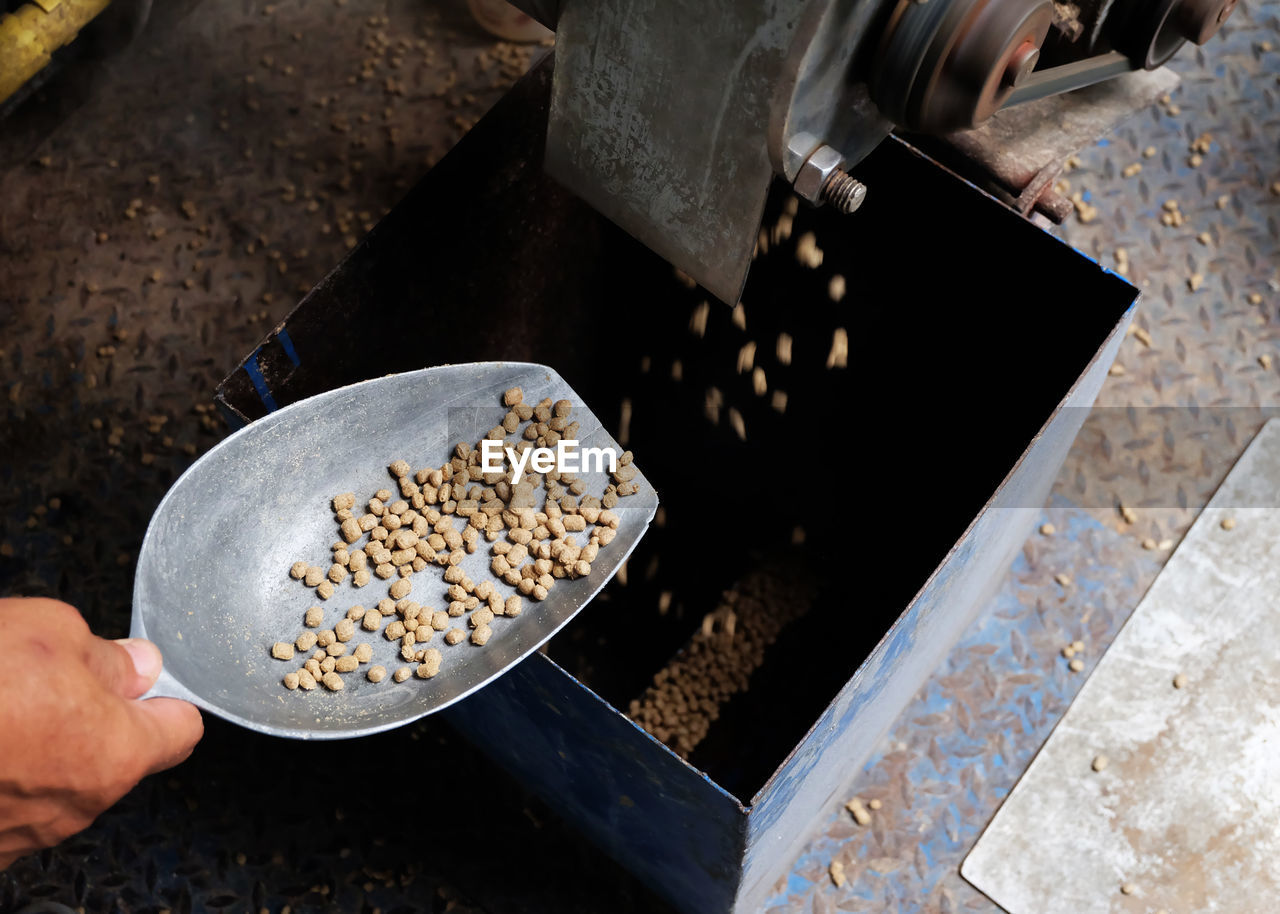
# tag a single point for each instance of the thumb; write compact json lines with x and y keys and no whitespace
{"x":167,"y":730}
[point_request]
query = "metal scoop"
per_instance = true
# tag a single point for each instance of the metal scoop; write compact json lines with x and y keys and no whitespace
{"x":213,"y":589}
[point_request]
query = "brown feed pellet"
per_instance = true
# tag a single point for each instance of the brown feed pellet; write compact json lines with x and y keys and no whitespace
{"x":376,"y":673}
{"x":282,"y":650}
{"x":430,"y":664}
{"x":333,"y":682}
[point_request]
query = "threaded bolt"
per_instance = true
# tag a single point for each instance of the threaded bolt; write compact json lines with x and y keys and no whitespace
{"x":843,"y":191}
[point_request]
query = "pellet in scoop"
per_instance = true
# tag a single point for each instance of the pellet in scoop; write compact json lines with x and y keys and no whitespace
{"x":430,"y":664}
{"x":333,"y":682}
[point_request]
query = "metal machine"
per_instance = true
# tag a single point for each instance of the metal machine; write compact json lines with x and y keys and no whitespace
{"x":672,"y":118}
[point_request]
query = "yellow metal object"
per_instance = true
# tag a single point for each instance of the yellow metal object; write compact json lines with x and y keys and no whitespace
{"x":29,"y":36}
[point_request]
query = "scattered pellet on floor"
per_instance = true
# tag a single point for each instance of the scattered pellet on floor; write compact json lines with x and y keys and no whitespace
{"x":1180,"y":681}
{"x":837,"y":873}
{"x":1100,"y":762}
{"x":858,"y":811}
{"x":1076,"y":665}
{"x":1048,"y":529}
{"x":1228,"y":523}
{"x":1128,"y":888}
{"x":874,"y":805}
{"x":1063,"y":579}
{"x":1130,"y":516}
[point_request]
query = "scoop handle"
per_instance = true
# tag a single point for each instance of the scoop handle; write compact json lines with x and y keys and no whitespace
{"x":168,"y":687}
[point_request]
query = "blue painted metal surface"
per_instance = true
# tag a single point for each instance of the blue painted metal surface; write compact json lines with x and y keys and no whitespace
{"x":665,"y":820}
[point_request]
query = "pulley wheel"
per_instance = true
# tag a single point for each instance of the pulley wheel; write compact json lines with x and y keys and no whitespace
{"x":1153,"y":32}
{"x":947,"y":65}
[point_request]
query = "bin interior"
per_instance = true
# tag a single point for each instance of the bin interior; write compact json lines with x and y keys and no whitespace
{"x":963,"y":334}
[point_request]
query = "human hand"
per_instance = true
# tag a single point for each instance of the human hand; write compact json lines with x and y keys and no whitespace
{"x":73,"y":737}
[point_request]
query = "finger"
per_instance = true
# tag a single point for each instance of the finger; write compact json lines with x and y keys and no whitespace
{"x":127,"y":667}
{"x":167,"y":730}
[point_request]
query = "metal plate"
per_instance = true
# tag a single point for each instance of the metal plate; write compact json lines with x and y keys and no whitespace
{"x":213,"y":590}
{"x":1184,"y":814}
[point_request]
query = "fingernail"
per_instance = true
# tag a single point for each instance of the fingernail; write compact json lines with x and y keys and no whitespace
{"x":145,"y":655}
